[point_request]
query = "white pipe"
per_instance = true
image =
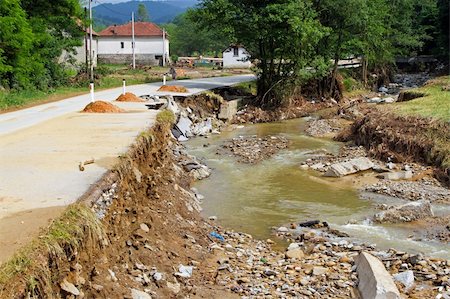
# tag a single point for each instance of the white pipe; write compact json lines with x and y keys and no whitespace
{"x":164,"y":80}
{"x":91,"y":89}
{"x":123,"y":87}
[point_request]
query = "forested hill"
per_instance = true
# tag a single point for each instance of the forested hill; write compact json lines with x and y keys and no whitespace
{"x":160,"y":11}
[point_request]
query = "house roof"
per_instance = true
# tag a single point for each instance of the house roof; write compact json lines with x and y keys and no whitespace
{"x":140,"y":29}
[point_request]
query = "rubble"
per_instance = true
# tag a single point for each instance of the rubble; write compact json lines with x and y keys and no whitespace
{"x":349,"y":167}
{"x":405,"y":213}
{"x":252,"y":149}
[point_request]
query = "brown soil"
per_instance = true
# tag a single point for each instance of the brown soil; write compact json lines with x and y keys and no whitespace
{"x":139,"y":238}
{"x":204,"y":104}
{"x":129,"y":97}
{"x":388,"y":136}
{"x":102,"y":107}
{"x":173,"y":88}
{"x":296,"y":109}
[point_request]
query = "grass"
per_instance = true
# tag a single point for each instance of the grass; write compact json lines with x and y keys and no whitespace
{"x":165,"y":117}
{"x":436,"y":103}
{"x":59,"y":242}
{"x":249,"y":86}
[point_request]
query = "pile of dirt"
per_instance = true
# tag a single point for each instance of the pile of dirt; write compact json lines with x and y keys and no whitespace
{"x":102,"y":107}
{"x":173,"y":88}
{"x":253,"y":149}
{"x":129,"y":97}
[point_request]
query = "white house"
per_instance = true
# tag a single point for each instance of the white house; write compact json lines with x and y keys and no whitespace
{"x":79,"y":57}
{"x":115,"y":44}
{"x":235,"y":56}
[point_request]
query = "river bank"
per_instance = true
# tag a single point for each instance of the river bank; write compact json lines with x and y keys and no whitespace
{"x":150,"y":241}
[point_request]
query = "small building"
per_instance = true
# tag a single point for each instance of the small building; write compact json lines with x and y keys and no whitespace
{"x":115,"y":44}
{"x":235,"y":56}
{"x":79,"y":57}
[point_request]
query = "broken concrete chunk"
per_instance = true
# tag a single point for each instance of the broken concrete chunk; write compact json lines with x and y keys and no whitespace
{"x":184,"y":126}
{"x":399,"y":175}
{"x":406,"y":213}
{"x":405,"y":278}
{"x":374,"y":281}
{"x":228,"y":110}
{"x":136,"y":294}
{"x":349,"y":167}
{"x":69,"y":287}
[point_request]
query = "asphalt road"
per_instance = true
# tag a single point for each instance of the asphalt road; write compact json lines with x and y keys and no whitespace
{"x":41,"y":148}
{"x":13,"y":121}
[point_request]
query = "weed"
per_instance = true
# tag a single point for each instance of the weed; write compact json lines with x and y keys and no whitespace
{"x":165,"y":117}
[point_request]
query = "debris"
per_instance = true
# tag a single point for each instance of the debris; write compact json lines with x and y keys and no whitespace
{"x":184,"y":271}
{"x":406,"y":278}
{"x":136,"y":294}
{"x":374,"y":280}
{"x":217,"y":236}
{"x":349,"y":167}
{"x":69,"y":287}
{"x":406,"y":213}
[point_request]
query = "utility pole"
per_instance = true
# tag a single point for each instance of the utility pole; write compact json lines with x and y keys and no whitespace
{"x":86,"y":45}
{"x":164,"y":47}
{"x":91,"y":60}
{"x":132,"y":40}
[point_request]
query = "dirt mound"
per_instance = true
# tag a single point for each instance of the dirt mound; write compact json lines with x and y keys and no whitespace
{"x":399,"y":138}
{"x":173,"y":88}
{"x":129,"y":97}
{"x":102,"y":107}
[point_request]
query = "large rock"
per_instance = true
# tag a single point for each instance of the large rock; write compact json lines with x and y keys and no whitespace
{"x":228,"y":110}
{"x":374,"y":281}
{"x":405,"y":278}
{"x":136,"y":294}
{"x":349,"y":167}
{"x":296,"y":253}
{"x":406,"y":213}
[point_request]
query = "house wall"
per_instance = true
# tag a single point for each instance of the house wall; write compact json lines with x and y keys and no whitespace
{"x":231,"y":61}
{"x":80,"y":53}
{"x":148,"y":49}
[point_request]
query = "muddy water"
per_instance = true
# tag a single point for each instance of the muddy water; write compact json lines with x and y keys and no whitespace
{"x":275,"y":192}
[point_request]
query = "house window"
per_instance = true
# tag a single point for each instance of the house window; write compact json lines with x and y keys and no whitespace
{"x":235,"y":52}
{"x":122,"y":45}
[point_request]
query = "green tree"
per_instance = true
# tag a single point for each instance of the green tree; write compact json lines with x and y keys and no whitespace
{"x":187,"y":37}
{"x":281,"y":37}
{"x":142,"y":13}
{"x":17,"y":62}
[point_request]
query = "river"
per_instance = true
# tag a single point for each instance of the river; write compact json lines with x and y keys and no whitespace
{"x":275,"y":192}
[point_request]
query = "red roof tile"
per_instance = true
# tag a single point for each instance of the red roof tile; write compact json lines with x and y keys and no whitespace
{"x":140,"y":29}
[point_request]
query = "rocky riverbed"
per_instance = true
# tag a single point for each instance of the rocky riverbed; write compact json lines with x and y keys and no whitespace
{"x":253,"y":149}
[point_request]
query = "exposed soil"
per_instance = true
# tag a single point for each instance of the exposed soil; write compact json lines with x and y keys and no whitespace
{"x":296,"y":109}
{"x":254,"y":149}
{"x":102,"y":107}
{"x":129,"y":97}
{"x":173,"y":88}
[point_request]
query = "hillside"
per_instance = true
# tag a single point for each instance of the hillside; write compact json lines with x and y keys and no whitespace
{"x":159,"y":11}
